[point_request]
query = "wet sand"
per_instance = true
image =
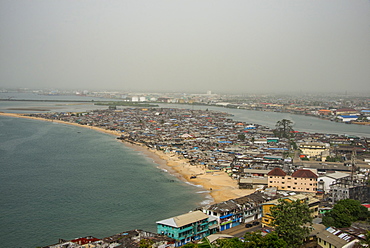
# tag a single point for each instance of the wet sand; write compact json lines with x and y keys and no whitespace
{"x":220,"y":186}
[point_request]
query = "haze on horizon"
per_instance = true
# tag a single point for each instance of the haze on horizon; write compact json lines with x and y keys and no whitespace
{"x":239,"y":46}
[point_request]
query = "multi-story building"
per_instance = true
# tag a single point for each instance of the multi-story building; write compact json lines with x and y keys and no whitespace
{"x":187,"y":227}
{"x":227,"y":213}
{"x":301,"y":180}
{"x":312,"y":202}
{"x":346,"y":111}
{"x":329,"y":178}
{"x":240,"y":210}
{"x":313,"y":149}
{"x":350,"y":188}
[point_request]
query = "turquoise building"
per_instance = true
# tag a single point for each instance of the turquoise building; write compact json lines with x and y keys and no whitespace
{"x":187,"y":227}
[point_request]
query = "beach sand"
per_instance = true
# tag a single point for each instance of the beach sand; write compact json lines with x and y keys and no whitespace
{"x":221,"y":187}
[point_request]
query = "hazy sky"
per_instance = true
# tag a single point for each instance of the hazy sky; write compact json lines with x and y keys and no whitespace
{"x":229,"y":46}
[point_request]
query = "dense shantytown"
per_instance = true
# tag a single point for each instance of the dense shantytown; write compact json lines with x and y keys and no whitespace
{"x":320,"y":169}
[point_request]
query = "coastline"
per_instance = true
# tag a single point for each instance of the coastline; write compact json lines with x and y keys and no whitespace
{"x":218,"y":184}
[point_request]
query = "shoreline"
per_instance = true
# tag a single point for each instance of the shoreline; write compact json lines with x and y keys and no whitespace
{"x":217,"y":184}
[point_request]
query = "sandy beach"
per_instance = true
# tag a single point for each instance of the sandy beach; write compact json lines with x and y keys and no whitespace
{"x":220,"y":186}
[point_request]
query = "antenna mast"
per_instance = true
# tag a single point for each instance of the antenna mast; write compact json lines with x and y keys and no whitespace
{"x":353,"y":164}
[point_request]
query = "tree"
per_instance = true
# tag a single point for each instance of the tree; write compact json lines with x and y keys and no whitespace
{"x":344,"y":213}
{"x":293,"y":145}
{"x":241,"y":137}
{"x":229,"y":243}
{"x":204,"y":243}
{"x":292,"y":221}
{"x":253,"y":240}
{"x":146,"y":243}
{"x":284,"y":128}
{"x":270,"y":240}
{"x":333,"y":159}
{"x":366,"y":241}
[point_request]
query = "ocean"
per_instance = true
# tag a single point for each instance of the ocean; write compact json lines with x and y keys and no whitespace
{"x":63,"y":181}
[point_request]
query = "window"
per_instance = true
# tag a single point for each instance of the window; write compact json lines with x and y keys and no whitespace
{"x":270,"y":176}
{"x":270,"y":181}
{"x":288,"y":187}
{"x":307,"y":189}
{"x":293,"y":187}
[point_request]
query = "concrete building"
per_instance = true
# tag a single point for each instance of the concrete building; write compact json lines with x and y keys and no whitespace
{"x":276,"y":178}
{"x":313,"y":149}
{"x":332,"y":237}
{"x":301,"y":180}
{"x":324,"y":112}
{"x":346,"y":111}
{"x":330,"y":178}
{"x":227,"y":213}
{"x":347,"y":118}
{"x":350,"y":188}
{"x":312,"y":202}
{"x":241,"y":210}
{"x":187,"y":227}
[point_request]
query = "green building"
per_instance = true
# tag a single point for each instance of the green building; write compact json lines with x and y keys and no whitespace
{"x":187,"y":227}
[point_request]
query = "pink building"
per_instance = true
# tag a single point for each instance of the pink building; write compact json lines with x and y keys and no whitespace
{"x":301,"y":180}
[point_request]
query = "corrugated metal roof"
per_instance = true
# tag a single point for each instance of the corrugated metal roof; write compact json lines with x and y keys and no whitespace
{"x":335,"y":237}
{"x":184,"y":219}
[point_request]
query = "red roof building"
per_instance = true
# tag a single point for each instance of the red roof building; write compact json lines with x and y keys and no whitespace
{"x":304,"y":174}
{"x":301,"y":180}
{"x":276,"y":172}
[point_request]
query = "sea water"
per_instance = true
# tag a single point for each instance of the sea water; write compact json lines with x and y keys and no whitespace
{"x":62,"y":181}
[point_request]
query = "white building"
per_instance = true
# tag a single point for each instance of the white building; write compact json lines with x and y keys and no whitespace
{"x":328,"y":179}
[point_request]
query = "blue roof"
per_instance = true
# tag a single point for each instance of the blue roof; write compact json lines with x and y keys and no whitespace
{"x":349,"y":116}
